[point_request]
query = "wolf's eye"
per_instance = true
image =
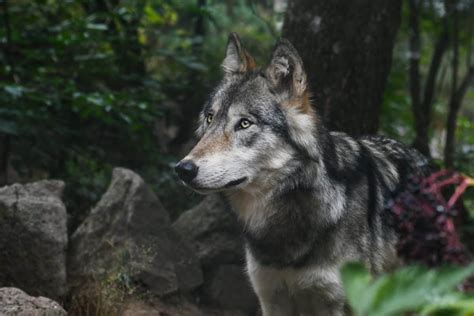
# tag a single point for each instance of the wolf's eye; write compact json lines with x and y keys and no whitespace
{"x":244,"y":123}
{"x":209,"y":118}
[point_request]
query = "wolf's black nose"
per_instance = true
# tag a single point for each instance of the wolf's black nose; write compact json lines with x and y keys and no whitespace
{"x":186,"y":170}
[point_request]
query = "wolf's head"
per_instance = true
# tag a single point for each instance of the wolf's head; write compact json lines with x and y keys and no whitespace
{"x":254,"y":124}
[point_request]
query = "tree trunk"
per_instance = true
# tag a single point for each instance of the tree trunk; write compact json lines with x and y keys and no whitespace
{"x":346,"y":47}
{"x":421,"y":124}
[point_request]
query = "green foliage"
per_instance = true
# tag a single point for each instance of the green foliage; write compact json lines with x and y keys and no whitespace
{"x":397,"y":120}
{"x":88,"y":85}
{"x":412,"y":289}
{"x":73,"y":98}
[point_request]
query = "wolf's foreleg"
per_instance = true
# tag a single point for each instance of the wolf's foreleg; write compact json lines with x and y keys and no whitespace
{"x":271,"y":290}
{"x":314,"y":302}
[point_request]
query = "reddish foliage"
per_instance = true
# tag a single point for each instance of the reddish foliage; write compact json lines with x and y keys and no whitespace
{"x":424,"y":220}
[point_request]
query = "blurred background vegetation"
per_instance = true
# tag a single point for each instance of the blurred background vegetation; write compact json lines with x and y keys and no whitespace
{"x":86,"y":85}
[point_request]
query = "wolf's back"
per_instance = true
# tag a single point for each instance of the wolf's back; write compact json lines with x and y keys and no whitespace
{"x":403,"y":156}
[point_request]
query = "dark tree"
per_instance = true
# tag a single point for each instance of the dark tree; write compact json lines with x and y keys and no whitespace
{"x":422,"y":98}
{"x":347,"y":50}
{"x":422,"y":105}
{"x":458,"y":88}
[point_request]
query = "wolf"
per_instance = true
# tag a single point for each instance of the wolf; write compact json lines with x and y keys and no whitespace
{"x":309,"y":199}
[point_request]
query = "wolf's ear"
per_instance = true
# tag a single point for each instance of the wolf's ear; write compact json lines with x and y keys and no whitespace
{"x":285,"y":70}
{"x":237,"y":60}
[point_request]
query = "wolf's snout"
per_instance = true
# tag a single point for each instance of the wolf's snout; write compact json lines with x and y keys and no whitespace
{"x":186,"y":170}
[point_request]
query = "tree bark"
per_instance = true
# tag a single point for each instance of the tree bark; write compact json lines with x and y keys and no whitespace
{"x":421,"y":126}
{"x":457,"y":91}
{"x":423,"y":107}
{"x":346,"y":47}
{"x":454,"y":105}
{"x":451,"y":122}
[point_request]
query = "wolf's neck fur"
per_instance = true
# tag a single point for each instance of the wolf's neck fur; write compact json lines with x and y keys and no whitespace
{"x":300,"y":198}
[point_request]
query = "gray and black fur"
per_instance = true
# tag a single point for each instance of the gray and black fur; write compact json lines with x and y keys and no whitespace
{"x":309,"y":199}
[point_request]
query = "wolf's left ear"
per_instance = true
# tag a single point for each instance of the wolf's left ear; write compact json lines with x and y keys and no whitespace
{"x":285,"y":70}
{"x":237,"y":59}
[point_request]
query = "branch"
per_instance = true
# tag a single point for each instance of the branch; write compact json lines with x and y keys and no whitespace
{"x":435,"y":64}
{"x":461,"y":91}
{"x":470,"y":37}
{"x":420,"y":115}
{"x":414,"y":56}
{"x":455,"y":61}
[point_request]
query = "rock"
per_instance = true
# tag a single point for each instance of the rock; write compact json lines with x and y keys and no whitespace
{"x":229,"y":288}
{"x":179,"y":306}
{"x":128,"y":236}
{"x":14,"y":301}
{"x":156,"y":307}
{"x":33,"y":238}
{"x":212,"y":228}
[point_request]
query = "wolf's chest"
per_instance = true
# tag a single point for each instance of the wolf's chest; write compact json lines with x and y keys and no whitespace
{"x":281,"y":233}
{"x":286,"y":238}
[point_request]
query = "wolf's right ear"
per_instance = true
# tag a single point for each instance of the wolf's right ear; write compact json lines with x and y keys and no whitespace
{"x":285,"y":70}
{"x":237,"y":59}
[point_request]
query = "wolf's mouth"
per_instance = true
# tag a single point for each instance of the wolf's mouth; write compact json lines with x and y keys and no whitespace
{"x":235,"y":182}
{"x":204,"y":190}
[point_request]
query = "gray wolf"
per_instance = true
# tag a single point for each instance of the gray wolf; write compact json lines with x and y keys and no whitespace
{"x":310,"y":200}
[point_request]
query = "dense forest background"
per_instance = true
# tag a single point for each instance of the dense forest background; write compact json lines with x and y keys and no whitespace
{"x":86,"y":85}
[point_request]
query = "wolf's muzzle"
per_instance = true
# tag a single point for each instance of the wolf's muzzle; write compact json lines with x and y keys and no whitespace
{"x":186,"y":170}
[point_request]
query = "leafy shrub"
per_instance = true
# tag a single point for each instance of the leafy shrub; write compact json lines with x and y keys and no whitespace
{"x":412,"y":289}
{"x":424,"y":219}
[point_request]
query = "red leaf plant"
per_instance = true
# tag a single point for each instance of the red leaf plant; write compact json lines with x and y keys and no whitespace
{"x":424,"y":219}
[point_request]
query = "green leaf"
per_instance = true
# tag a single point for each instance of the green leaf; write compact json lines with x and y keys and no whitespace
{"x":455,"y":303}
{"x":356,"y":279}
{"x":406,"y":290}
{"x":97,"y":26}
{"x":448,"y":277}
{"x":14,"y":90}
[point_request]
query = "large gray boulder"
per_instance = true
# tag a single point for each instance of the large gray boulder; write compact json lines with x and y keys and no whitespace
{"x":214,"y":232}
{"x":129,"y":234}
{"x":212,"y":229}
{"x":178,"y":306}
{"x":229,"y":288}
{"x":15,"y":302}
{"x":33,"y":238}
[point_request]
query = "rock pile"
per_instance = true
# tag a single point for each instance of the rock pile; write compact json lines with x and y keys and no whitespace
{"x":127,"y":245}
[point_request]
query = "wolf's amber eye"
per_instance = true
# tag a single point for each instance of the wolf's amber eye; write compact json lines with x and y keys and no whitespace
{"x":244,"y":123}
{"x":209,"y":118}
